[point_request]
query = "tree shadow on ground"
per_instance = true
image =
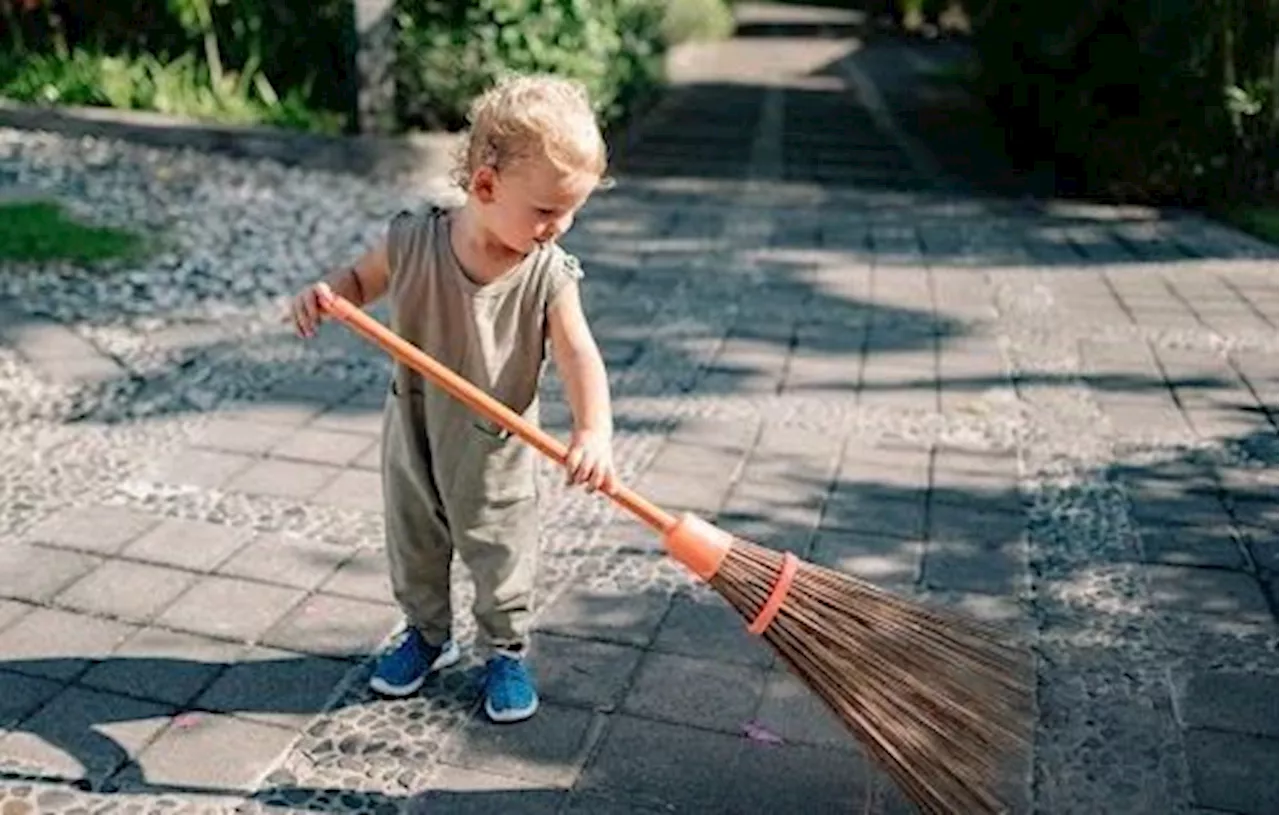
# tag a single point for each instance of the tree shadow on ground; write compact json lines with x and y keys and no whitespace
{"x":941,"y":524}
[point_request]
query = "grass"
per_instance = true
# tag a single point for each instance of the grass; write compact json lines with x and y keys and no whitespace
{"x":37,"y":231}
{"x":1261,"y":222}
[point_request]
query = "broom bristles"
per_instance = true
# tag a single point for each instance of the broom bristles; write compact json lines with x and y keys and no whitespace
{"x":940,"y":701}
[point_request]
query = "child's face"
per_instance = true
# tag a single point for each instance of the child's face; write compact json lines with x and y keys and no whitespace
{"x":531,"y":202}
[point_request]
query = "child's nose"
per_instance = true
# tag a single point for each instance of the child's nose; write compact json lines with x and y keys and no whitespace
{"x":559,"y":227}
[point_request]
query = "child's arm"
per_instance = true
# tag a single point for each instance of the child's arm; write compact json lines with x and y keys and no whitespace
{"x":361,"y":283}
{"x":587,"y":386}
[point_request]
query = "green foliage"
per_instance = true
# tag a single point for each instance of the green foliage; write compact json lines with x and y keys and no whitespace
{"x":41,"y":231}
{"x":289,"y":61}
{"x":693,"y":20}
{"x":451,"y":50}
{"x":183,"y":86}
{"x":1154,"y":100}
{"x":1261,"y":222}
{"x":271,"y":61}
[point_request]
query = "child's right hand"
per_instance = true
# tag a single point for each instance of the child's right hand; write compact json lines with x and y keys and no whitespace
{"x":305,"y":310}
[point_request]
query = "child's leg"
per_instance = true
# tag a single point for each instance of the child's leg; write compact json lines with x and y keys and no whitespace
{"x":502,"y":554}
{"x":419,"y":550}
{"x":493,"y":512}
{"x":500,"y":549}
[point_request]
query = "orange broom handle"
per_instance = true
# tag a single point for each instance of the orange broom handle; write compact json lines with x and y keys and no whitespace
{"x":481,"y":402}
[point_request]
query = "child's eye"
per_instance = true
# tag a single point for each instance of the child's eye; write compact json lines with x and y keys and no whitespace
{"x":546,"y":213}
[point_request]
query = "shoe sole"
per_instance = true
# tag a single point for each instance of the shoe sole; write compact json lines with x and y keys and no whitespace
{"x":509,"y":716}
{"x":448,"y":657}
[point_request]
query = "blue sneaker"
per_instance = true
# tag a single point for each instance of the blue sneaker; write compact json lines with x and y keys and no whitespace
{"x":404,"y":666}
{"x":508,"y":690}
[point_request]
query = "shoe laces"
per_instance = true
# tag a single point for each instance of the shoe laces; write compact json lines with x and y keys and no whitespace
{"x":505,"y":669}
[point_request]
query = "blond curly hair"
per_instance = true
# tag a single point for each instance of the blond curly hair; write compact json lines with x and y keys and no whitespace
{"x":526,"y":116}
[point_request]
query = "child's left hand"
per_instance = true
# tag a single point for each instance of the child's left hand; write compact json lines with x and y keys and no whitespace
{"x":590,"y":460}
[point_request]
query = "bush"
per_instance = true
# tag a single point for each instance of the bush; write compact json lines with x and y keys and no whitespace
{"x":451,"y":50}
{"x":181,"y":87}
{"x":1164,"y":102}
{"x":278,"y":61}
{"x":692,"y":20}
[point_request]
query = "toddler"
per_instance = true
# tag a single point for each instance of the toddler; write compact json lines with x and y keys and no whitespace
{"x":483,"y":288}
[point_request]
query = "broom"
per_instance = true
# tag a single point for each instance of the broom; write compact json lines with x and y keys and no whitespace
{"x":939,"y":700}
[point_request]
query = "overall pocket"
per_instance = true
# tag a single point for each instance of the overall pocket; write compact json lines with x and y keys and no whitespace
{"x":505,"y":463}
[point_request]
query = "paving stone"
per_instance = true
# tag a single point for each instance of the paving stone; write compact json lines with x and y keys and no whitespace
{"x":284,"y":479}
{"x":365,"y":576}
{"x":1207,"y":591}
{"x":1186,"y":508}
{"x":765,"y":530}
{"x":784,"y":487}
{"x":1003,"y":611}
{"x":85,"y":734}
{"x":685,"y":492}
{"x":134,"y":592}
{"x":885,"y":561}
{"x":611,"y":615}
{"x":981,"y":469}
{"x":334,"y":626}
{"x":1257,"y":514}
{"x":671,"y":766}
{"x":974,"y":567}
{"x":582,"y":672}
{"x":588,"y":803}
{"x":352,"y":489}
{"x":692,"y":691}
{"x":792,"y":711}
{"x":93,"y":371}
{"x":37,"y":573}
{"x":321,"y":446}
{"x":887,"y":472}
{"x":283,"y":413}
{"x":1211,"y":547}
{"x":236,"y":435}
{"x":166,"y":666}
{"x":549,"y":749}
{"x":371,"y":458}
{"x":274,"y":687}
{"x":797,"y":778}
{"x":11,"y":611}
{"x":1232,"y":772}
{"x":288,"y":560}
{"x":186,"y":544}
{"x":973,"y":524}
{"x":59,"y":644}
{"x":1149,"y":417}
{"x":710,"y":629}
{"x":100,"y":529}
{"x":230,"y":608}
{"x":214,"y":751}
{"x":854,"y":510}
{"x":206,"y":469}
{"x":352,"y":418}
{"x":459,"y":791}
{"x":1229,"y":700}
{"x":23,"y":695}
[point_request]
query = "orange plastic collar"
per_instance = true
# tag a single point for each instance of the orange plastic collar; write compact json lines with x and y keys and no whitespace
{"x":790,"y":564}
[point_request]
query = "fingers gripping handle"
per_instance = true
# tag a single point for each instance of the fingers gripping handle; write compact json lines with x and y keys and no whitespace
{"x":476,"y":399}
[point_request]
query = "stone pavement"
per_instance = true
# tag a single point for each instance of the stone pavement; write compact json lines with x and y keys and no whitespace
{"x":1057,"y":416}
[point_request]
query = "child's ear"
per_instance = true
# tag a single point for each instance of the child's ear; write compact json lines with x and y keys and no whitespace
{"x":484,"y":184}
